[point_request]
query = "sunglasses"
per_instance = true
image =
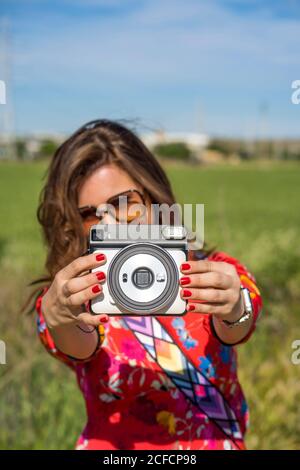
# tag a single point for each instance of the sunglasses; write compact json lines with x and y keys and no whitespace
{"x":123,"y":207}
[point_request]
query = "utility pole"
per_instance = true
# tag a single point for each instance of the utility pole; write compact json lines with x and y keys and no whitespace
{"x":7,"y":135}
{"x":199,"y":118}
{"x":263,"y":129}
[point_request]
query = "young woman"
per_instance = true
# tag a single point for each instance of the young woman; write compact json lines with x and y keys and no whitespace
{"x":148,"y":383}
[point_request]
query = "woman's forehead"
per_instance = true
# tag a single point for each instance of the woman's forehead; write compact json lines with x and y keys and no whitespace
{"x":104,"y":183}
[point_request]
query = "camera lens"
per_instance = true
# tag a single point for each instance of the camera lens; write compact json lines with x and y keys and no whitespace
{"x":150,"y":283}
{"x":142,"y":278}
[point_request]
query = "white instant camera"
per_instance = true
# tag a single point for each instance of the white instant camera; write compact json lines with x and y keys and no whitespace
{"x":142,"y":268}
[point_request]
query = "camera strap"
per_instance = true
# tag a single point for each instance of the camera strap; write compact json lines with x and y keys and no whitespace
{"x":192,"y":382}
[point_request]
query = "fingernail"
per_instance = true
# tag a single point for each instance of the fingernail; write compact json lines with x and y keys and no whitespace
{"x":190,"y":308}
{"x":96,"y":289}
{"x":185,"y":280}
{"x":104,"y":319}
{"x":100,"y":257}
{"x":185,"y":266}
{"x":100,"y":276}
{"x":186,"y":293}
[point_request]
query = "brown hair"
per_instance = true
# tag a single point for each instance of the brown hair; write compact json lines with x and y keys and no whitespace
{"x":95,"y":144}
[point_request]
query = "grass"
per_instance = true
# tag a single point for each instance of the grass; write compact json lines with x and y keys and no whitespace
{"x":252,"y":212}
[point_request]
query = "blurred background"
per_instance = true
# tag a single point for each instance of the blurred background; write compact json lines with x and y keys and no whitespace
{"x":210,"y":88}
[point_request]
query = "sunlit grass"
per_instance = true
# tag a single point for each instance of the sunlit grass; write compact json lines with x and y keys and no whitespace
{"x":250,"y":212}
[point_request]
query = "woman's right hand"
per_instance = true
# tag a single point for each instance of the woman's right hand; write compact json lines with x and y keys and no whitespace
{"x":73,"y":286}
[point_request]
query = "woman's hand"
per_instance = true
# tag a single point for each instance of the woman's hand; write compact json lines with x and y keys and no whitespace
{"x":72,"y":287}
{"x":212,"y":287}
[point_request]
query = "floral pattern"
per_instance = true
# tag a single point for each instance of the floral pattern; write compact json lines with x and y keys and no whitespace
{"x":130,"y":400}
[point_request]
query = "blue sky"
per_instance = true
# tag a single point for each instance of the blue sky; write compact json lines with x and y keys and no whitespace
{"x":221,"y":66}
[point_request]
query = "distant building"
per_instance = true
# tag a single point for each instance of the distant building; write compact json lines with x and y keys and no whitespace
{"x":196,"y":142}
{"x":31,"y":145}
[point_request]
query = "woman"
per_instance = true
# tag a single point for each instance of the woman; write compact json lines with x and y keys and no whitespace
{"x":183,"y":391}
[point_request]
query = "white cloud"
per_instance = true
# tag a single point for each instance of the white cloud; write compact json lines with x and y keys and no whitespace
{"x":166,"y":45}
{"x":169,"y":40}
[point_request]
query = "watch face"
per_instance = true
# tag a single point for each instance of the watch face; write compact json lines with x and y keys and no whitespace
{"x":248,"y":309}
{"x":247,"y":300}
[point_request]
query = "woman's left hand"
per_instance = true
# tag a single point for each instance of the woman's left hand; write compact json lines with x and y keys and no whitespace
{"x":212,"y":287}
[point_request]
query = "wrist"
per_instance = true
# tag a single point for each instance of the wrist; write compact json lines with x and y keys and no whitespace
{"x":235,"y":314}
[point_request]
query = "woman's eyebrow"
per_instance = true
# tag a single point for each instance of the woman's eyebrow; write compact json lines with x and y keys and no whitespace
{"x":109,"y":200}
{"x":116,"y":196}
{"x":86,"y":206}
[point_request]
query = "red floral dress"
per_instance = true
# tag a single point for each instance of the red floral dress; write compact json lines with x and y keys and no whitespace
{"x":161,"y":382}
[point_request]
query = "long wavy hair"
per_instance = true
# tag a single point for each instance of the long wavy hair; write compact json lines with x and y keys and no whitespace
{"x":95,"y":144}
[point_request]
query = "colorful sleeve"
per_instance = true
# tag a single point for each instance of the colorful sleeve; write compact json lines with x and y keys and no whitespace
{"x":48,"y":342}
{"x":247,"y":280}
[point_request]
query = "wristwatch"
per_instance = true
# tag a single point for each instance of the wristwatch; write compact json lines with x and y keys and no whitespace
{"x":247,"y":312}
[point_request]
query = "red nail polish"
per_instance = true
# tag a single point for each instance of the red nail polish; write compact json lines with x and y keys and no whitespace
{"x":100,"y":276}
{"x":186,"y":293}
{"x":96,"y":289}
{"x":104,"y":320}
{"x":185,"y":280}
{"x":185,"y":266}
{"x":190,"y":308}
{"x":100,"y":257}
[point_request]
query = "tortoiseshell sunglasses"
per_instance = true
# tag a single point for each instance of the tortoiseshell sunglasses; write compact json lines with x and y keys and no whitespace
{"x":123,"y":213}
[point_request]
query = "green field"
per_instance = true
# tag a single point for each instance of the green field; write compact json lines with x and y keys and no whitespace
{"x":251,"y":212}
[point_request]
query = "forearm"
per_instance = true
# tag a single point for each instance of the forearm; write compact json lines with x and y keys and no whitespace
{"x":76,"y":339}
{"x":231,"y":335}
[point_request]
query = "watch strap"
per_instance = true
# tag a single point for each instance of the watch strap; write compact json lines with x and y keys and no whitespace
{"x":247,"y":311}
